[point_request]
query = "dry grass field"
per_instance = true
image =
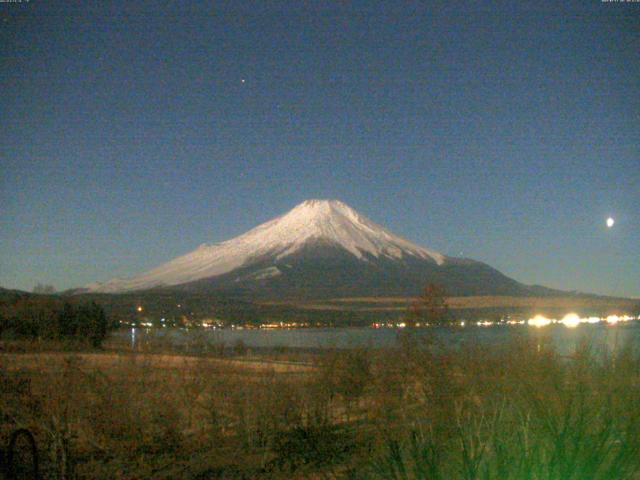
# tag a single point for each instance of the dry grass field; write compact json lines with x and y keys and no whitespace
{"x":414,"y":411}
{"x":111,"y":361}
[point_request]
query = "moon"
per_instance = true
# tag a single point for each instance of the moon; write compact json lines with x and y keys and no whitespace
{"x":610,"y":222}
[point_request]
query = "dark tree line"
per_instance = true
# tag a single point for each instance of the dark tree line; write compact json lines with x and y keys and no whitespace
{"x":49,"y":318}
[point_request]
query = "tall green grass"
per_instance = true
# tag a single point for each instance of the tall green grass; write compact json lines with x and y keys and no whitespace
{"x":519,"y":411}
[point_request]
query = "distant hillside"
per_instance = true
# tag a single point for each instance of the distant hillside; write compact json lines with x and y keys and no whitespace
{"x":178,"y":304}
{"x":6,"y":293}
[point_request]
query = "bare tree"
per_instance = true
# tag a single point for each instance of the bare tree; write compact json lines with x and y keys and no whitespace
{"x":431,"y":307}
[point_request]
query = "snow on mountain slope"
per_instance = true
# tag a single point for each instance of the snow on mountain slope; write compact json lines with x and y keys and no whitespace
{"x":312,"y":220}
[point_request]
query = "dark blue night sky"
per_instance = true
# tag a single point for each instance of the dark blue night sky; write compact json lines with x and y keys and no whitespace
{"x":133,"y":131}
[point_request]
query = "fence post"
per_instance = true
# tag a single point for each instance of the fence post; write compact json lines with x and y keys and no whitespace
{"x":11,"y":467}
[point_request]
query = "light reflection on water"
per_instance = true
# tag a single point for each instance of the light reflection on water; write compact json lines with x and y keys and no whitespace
{"x":565,"y":340}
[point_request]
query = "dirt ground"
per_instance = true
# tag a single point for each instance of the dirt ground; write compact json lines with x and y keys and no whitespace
{"x":107,"y":360}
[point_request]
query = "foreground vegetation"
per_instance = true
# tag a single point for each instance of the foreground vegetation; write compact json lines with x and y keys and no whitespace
{"x":418,"y":411}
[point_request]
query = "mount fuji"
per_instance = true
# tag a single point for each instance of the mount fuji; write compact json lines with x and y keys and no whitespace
{"x":319,"y":249}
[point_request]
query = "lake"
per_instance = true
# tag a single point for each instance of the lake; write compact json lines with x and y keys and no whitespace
{"x":565,"y":339}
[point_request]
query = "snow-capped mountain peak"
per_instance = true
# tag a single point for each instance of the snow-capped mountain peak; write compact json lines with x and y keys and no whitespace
{"x":327,"y":221}
{"x":336,"y":222}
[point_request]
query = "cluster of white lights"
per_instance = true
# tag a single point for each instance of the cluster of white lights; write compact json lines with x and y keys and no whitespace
{"x":572,"y":320}
{"x":539,"y":321}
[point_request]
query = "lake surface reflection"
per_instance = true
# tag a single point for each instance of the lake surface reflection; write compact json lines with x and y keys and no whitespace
{"x":564,"y":339}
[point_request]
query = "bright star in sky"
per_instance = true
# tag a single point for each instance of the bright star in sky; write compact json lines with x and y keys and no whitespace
{"x":610,"y":222}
